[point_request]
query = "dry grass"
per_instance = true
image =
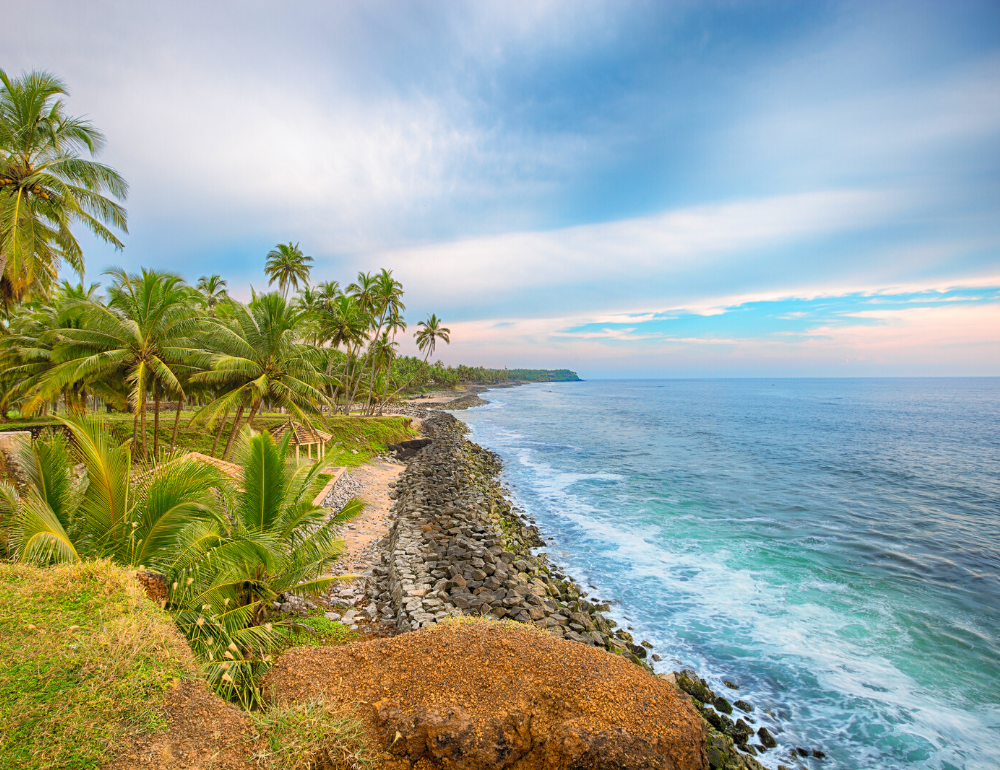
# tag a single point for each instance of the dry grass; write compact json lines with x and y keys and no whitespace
{"x":308,"y":736}
{"x":85,"y":660}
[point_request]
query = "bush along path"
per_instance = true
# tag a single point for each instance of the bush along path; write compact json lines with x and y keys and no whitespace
{"x":458,"y":547}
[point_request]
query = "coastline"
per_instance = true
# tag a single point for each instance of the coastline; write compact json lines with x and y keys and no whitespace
{"x":457,"y":545}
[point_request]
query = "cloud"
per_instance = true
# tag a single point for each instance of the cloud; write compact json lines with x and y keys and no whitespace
{"x":532,"y":168}
{"x":669,"y":254}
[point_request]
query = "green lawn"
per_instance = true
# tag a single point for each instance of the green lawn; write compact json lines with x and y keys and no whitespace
{"x":84,"y":659}
{"x":355,"y":439}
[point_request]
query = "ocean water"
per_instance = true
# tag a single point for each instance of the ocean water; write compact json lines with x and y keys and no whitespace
{"x":832,"y":546}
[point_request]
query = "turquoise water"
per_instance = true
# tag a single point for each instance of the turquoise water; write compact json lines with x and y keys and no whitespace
{"x":833,"y":546}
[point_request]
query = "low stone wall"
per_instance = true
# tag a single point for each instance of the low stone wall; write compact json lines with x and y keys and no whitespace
{"x":457,"y":547}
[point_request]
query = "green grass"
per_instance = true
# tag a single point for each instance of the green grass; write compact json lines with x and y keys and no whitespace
{"x":317,"y":631}
{"x":84,"y":659}
{"x":367,"y":435}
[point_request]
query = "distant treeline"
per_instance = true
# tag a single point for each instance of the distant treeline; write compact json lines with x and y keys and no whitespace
{"x":414,"y":374}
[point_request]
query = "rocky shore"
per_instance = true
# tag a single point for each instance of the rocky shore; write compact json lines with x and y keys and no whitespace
{"x":457,"y":546}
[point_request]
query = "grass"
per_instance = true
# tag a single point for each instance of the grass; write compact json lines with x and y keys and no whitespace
{"x":356,"y":440}
{"x":84,"y":659}
{"x":319,"y":631}
{"x":306,"y":736}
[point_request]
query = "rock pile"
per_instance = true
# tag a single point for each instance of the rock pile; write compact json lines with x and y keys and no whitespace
{"x":457,"y":547}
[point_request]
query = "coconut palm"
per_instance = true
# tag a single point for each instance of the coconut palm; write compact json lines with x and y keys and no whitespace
{"x":46,"y":186}
{"x":256,"y":357}
{"x":26,"y":350}
{"x":131,"y":518}
{"x":386,"y":299}
{"x":346,"y":326}
{"x":328,"y":291}
{"x":287,"y":265}
{"x":394,"y":325}
{"x":429,"y":333}
{"x":141,"y":335}
{"x":226,"y":550}
{"x":212,"y":290}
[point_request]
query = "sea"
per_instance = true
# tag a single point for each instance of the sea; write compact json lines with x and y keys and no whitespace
{"x":831,"y":546}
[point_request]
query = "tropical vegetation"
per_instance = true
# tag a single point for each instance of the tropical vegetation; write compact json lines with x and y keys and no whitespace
{"x":48,"y":183}
{"x":224,"y":547}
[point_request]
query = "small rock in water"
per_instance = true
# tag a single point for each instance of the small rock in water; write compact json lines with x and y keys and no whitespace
{"x":742,"y":705}
{"x":818,"y":754}
{"x":766,"y":738}
{"x":730,"y":685}
{"x":657,"y":658}
{"x":802,"y":752}
{"x":722,"y":705}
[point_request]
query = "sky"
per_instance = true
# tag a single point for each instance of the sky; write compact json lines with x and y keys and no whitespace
{"x":652,"y":189}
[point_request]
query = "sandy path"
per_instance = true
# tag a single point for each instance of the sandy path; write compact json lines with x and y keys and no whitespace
{"x":371,"y":483}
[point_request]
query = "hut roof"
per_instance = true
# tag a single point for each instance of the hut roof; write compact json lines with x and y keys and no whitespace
{"x":301,"y":434}
{"x":231,"y":469}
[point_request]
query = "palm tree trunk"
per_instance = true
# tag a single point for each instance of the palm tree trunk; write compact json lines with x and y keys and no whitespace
{"x":156,"y":423}
{"x":350,"y":392}
{"x":142,"y":416}
{"x":371,"y":376}
{"x":232,"y":435}
{"x":177,"y":421}
{"x":135,"y":434}
{"x":218,"y":433}
{"x":385,"y":390}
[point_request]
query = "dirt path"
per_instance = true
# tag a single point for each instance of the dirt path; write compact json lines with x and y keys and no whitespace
{"x":371,"y":483}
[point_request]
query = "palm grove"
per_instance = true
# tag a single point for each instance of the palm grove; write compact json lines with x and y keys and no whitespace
{"x":226,"y":546}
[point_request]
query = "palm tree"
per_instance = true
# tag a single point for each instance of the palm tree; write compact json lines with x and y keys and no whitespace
{"x":143,"y":333}
{"x":310,"y":303}
{"x":328,"y":291}
{"x":226,"y":550}
{"x":394,"y":325}
{"x":46,"y":186}
{"x":133,"y":519}
{"x":385,"y":300}
{"x":287,"y":265}
{"x":346,"y":326}
{"x":212,"y":290}
{"x":257,"y":357}
{"x":429,"y":333}
{"x":26,"y":350}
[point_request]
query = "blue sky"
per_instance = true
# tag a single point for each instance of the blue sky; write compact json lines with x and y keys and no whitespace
{"x":627,"y":189}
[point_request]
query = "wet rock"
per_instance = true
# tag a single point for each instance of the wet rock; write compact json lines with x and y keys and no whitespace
{"x":730,"y":685}
{"x":766,"y":739}
{"x":694,"y":686}
{"x":742,"y":705}
{"x":722,"y":705}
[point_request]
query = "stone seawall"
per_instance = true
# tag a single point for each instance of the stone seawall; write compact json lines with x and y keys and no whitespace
{"x":458,"y":547}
